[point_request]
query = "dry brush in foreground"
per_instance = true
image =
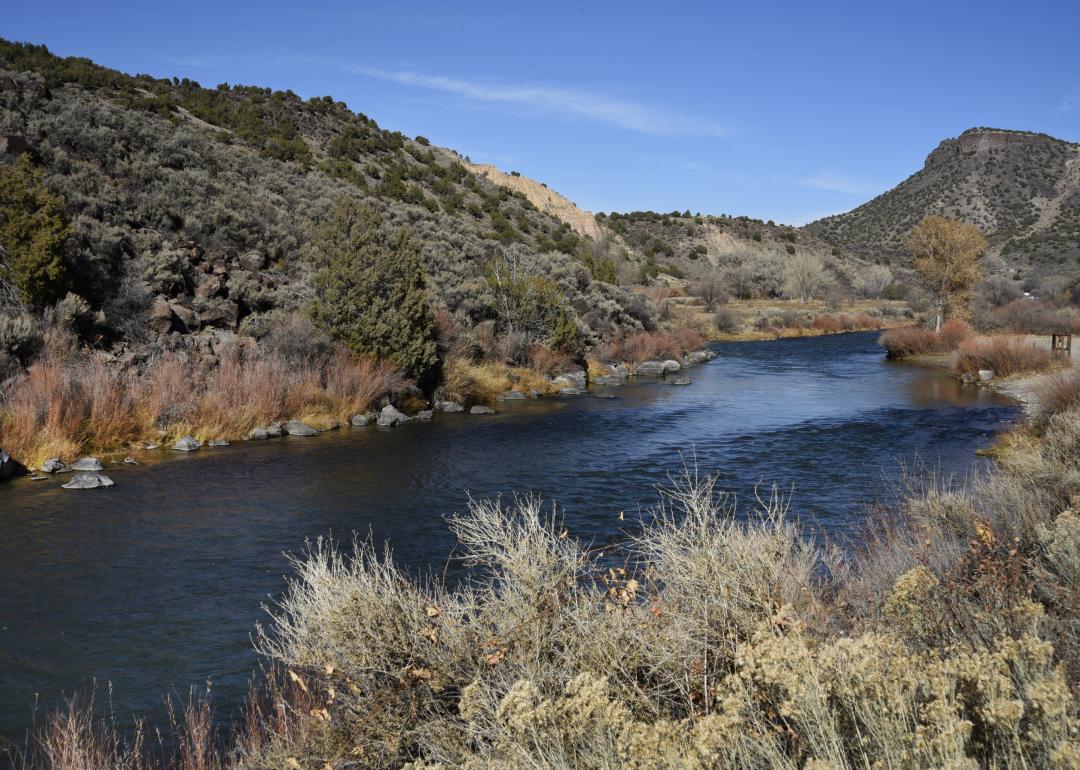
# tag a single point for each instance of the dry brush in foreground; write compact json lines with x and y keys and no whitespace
{"x":711,"y":640}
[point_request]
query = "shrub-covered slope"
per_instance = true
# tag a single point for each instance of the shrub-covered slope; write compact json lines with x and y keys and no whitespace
{"x":195,"y":207}
{"x":1020,"y":188}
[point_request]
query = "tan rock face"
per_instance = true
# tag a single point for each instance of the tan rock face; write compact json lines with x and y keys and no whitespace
{"x":581,"y":221}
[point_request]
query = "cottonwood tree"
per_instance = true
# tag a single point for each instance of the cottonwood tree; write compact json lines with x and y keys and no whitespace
{"x":803,"y":276}
{"x":371,"y":292}
{"x":946,"y":255}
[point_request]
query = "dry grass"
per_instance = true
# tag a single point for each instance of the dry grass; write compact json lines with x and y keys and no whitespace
{"x":74,"y":404}
{"x":1003,"y":355}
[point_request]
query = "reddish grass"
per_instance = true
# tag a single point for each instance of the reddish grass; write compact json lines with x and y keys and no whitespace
{"x":953,"y":333}
{"x":76,"y":403}
{"x":846,"y":322}
{"x":908,"y":341}
{"x":546,"y":361}
{"x":1003,"y":355}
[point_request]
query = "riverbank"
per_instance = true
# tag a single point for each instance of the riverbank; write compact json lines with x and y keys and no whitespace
{"x":705,"y":634}
{"x":72,"y":403}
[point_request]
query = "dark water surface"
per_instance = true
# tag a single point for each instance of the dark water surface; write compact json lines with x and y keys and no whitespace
{"x":156,"y":584}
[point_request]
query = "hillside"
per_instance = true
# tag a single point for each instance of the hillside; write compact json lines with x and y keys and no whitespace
{"x":1021,"y":189}
{"x":195,"y":208}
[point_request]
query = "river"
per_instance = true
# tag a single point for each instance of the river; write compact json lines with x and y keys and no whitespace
{"x":156,"y":584}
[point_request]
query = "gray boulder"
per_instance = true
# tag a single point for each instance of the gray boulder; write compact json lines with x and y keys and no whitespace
{"x":510,"y":395}
{"x":186,"y":444}
{"x":275,"y":429}
{"x":53,"y":465}
{"x":86,"y":464}
{"x":297,"y":428}
{"x":985,"y":375}
{"x":426,"y":414}
{"x":359,"y":420}
{"x":671,"y":366}
{"x":448,"y":406}
{"x":257,"y":434}
{"x":89,"y":481}
{"x":576,"y":379}
{"x":650,"y":369}
{"x":389,"y":417}
{"x":217,"y":442}
{"x":701,"y":356}
{"x":481,"y":410}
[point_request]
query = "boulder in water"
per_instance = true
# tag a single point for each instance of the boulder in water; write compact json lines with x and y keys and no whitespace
{"x":217,"y":442}
{"x":510,"y":395}
{"x":275,"y":429}
{"x":186,"y":444}
{"x":480,"y":409}
{"x":53,"y":465}
{"x":89,"y":481}
{"x":448,"y":406}
{"x":257,"y":434}
{"x":390,"y":416}
{"x":297,"y":428}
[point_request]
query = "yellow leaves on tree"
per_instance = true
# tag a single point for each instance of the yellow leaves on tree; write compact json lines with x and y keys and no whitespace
{"x":947,"y":257}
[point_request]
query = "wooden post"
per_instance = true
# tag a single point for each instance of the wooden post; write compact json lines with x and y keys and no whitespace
{"x":1061,"y":346}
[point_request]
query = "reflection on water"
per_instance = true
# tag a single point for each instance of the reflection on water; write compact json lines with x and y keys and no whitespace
{"x":156,"y":584}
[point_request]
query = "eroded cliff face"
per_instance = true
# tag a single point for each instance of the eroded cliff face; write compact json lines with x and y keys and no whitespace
{"x":547,"y":200}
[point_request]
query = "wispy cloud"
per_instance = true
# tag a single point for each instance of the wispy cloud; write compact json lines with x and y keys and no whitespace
{"x":827,"y":180}
{"x":565,"y":102}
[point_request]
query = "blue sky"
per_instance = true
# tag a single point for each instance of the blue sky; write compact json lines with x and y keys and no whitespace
{"x":788,"y":111}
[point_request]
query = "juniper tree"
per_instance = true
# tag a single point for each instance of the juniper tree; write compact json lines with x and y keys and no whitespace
{"x":33,"y":231}
{"x":371,"y":291}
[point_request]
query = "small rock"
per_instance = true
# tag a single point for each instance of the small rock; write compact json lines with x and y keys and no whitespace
{"x":217,"y":442}
{"x":297,"y":428}
{"x":89,"y":481}
{"x":359,"y":420}
{"x":510,"y":395}
{"x":257,"y":434}
{"x":701,"y":356}
{"x":275,"y":429}
{"x":53,"y":465}
{"x":130,"y":461}
{"x":480,"y":409}
{"x":448,"y":406}
{"x":985,"y":375}
{"x":38,"y":477}
{"x":186,"y":444}
{"x":671,"y":366}
{"x":426,"y":414}
{"x":680,"y":381}
{"x":966,"y":378}
{"x":86,"y":464}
